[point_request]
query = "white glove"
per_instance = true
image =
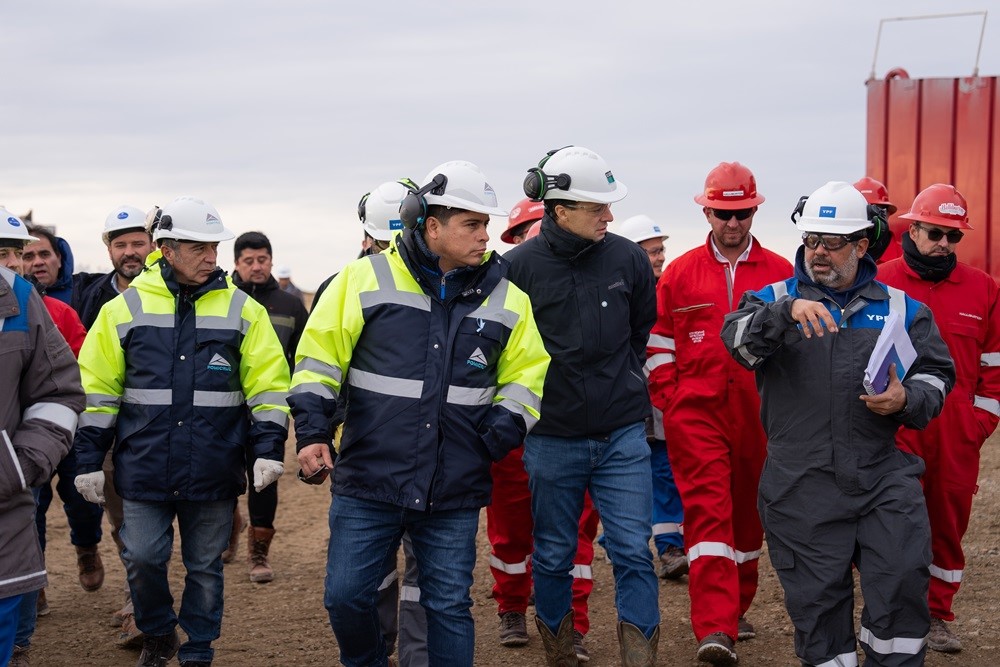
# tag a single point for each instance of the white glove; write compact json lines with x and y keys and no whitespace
{"x":265,"y":473}
{"x":91,"y":486}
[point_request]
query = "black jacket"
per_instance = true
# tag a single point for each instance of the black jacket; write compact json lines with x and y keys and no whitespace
{"x":90,"y":292}
{"x":594,"y":304}
{"x":287,"y":312}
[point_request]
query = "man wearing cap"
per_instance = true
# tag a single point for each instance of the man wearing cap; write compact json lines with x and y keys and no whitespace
{"x":836,"y":491}
{"x":442,"y":368}
{"x":183,"y":374}
{"x":966,"y":304}
{"x":668,"y":512}
{"x":593,"y":295}
{"x":711,"y":410}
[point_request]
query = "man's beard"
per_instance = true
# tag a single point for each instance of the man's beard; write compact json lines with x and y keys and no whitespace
{"x":838,"y":273}
{"x":129,"y":274}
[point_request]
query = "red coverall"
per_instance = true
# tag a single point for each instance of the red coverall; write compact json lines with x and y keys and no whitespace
{"x":712,"y":424}
{"x":966,"y":307}
{"x":509,"y":526}
{"x":68,"y":323}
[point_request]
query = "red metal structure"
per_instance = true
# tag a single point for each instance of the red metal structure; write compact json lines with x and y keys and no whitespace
{"x":940,"y":130}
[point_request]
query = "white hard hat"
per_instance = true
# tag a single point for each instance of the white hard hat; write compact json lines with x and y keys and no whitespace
{"x":11,"y":227}
{"x":379,"y":210}
{"x":466,"y":189}
{"x":589,"y":178}
{"x":123,"y":217}
{"x":190,"y":219}
{"x":640,"y":228}
{"x":282,"y":272}
{"x":835,"y":208}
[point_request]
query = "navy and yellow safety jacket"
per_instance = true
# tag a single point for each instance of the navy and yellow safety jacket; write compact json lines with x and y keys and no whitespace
{"x":436,"y":387}
{"x":181,"y":380}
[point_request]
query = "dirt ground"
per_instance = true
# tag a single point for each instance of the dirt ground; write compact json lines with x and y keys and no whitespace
{"x":284,"y":623}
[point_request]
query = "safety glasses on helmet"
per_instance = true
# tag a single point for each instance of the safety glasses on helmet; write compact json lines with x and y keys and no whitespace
{"x":597,"y":209}
{"x":935,"y":235}
{"x":829,"y":241}
{"x":740,"y":214}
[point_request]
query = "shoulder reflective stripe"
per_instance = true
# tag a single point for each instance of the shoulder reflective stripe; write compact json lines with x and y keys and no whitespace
{"x":655,"y":340}
{"x":383,"y":272}
{"x":904,"y":645}
{"x":470,"y":395}
{"x":139,"y":317}
{"x":582,"y":572}
{"x":103,"y":401}
{"x":842,"y":660}
{"x":274,"y":416}
{"x":509,"y":568}
{"x":658,"y":360}
{"x":389,"y":580}
{"x":387,"y":291}
{"x":951,"y":576}
{"x":989,"y":359}
{"x":719,"y":549}
{"x":494,"y":309}
{"x":148,"y":396}
{"x":518,"y":409}
{"x":747,"y":556}
{"x":268,"y":398}
{"x":385,"y":384}
{"x":937,"y":383}
{"x":98,"y":419}
{"x":897,"y":301}
{"x":55,"y":413}
{"x":21,"y":578}
{"x":780,"y":289}
{"x":13,"y":457}
{"x":232,"y":321}
{"x":218,"y":399}
{"x":409,"y":594}
{"x":318,"y":388}
{"x":320,"y":368}
{"x":991,"y":405}
{"x":521,"y":394}
{"x":666,"y":528}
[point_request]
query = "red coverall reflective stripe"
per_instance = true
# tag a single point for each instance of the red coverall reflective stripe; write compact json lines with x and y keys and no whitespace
{"x":712,"y":424}
{"x":509,"y":526}
{"x":966,"y":310}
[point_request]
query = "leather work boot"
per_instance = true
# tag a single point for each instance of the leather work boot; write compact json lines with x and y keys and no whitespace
{"x":744,"y":629}
{"x":239,"y":523}
{"x":42,"y":606}
{"x":158,"y":650}
{"x":717,"y":649}
{"x":559,"y":651}
{"x":513,"y":629}
{"x":88,"y":560}
{"x":637,"y":651}
{"x":673,"y":563}
{"x":582,"y":654}
{"x":942,"y":639}
{"x":20,"y":657}
{"x":258,"y":544}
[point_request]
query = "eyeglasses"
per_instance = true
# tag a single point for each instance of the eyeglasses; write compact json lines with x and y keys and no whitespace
{"x":601,"y":209}
{"x":381,"y":245}
{"x":935,"y":235}
{"x":727,"y":215}
{"x":829,"y":241}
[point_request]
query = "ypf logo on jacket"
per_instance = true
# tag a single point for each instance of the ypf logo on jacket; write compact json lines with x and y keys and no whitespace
{"x":219,"y":363}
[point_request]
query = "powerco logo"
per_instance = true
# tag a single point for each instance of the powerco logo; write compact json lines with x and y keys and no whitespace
{"x":477,"y":359}
{"x":218,"y":363}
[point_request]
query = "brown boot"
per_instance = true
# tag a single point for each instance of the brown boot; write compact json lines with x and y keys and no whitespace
{"x":258,"y":543}
{"x":559,"y":650}
{"x":88,"y":560}
{"x":239,"y":523}
{"x":637,"y":651}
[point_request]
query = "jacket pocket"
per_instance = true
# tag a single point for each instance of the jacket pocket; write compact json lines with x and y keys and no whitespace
{"x":11,"y":476}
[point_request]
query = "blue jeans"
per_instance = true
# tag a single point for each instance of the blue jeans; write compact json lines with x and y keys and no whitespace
{"x":148,"y":534}
{"x":8,"y":624}
{"x":364,"y":537}
{"x":668,"y":513}
{"x":616,"y":471}
{"x":84,"y":518}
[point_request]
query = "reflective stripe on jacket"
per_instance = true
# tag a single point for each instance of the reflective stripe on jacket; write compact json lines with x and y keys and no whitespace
{"x":169,"y":378}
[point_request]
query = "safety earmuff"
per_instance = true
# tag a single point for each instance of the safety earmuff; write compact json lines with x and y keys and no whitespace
{"x":799,"y":208}
{"x":537,"y":182}
{"x":413,"y":209}
{"x":879,"y":235}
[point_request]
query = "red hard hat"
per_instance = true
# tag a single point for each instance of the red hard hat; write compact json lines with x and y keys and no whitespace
{"x":941,"y":205}
{"x":524,"y":212}
{"x":533,"y":230}
{"x":730,"y":186}
{"x":876,"y":193}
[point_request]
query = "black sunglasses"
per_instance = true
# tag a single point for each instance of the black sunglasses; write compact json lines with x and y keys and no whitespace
{"x":740,"y":214}
{"x":829,"y":241}
{"x":935,"y":235}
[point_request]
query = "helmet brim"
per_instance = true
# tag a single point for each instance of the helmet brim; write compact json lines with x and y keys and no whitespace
{"x":218,"y":237}
{"x":825,"y":226}
{"x":733,"y":205}
{"x":940,"y":222}
{"x":587,"y":196}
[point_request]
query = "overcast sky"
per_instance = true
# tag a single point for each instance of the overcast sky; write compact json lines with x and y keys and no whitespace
{"x":282,"y":114}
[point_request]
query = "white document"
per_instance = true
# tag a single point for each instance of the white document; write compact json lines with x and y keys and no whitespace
{"x":892,"y":347}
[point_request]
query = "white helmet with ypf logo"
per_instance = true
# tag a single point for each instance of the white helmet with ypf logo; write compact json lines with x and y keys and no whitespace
{"x":379,"y":209}
{"x":641,"y":228}
{"x":835,"y":208}
{"x":13,"y":229}
{"x":190,"y":219}
{"x":122,"y":219}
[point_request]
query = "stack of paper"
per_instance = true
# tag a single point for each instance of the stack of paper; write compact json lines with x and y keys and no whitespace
{"x":892,"y":347}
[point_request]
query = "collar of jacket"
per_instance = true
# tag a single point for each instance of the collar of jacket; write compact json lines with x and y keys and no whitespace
{"x":253,"y":289}
{"x":564,"y":244}
{"x":217,"y":280}
{"x":864,"y":278}
{"x":926,"y":267}
{"x":422,"y":264}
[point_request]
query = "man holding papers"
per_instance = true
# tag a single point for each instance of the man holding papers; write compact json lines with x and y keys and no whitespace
{"x":835,"y":490}
{"x":964,"y":301}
